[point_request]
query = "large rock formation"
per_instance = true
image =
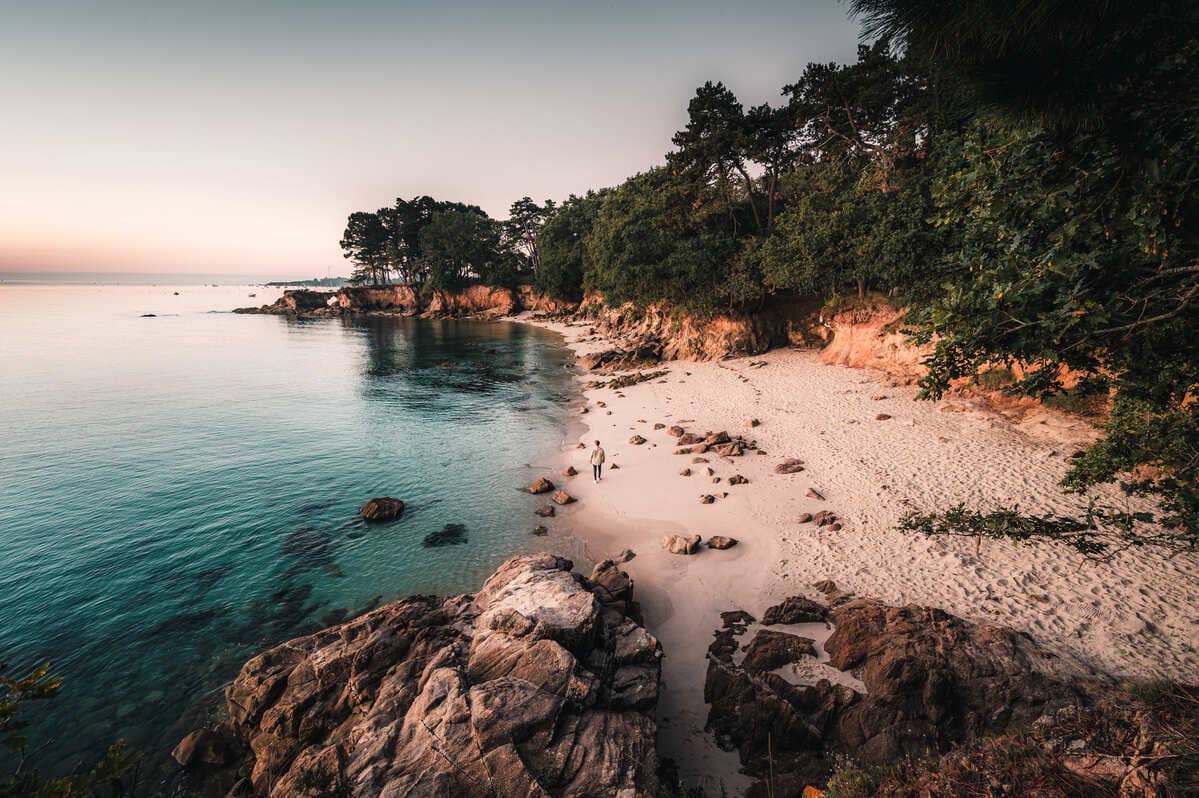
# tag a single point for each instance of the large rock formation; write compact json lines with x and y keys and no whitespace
{"x":932,"y":681}
{"x":474,"y":300}
{"x":301,"y":302}
{"x":541,"y":684}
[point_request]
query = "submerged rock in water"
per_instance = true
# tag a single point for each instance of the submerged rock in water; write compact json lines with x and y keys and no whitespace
{"x":541,"y":684}
{"x":450,"y":535}
{"x":382,"y":509}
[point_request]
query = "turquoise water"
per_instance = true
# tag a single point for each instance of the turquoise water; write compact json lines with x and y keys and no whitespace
{"x":178,"y":492}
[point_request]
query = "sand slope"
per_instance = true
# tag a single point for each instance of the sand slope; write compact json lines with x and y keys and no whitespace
{"x":1137,"y":616}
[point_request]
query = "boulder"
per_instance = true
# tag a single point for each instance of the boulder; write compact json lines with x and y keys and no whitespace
{"x":676,"y":431}
{"x":689,"y":439}
{"x":707,"y":498}
{"x":624,"y":556}
{"x":541,"y":485}
{"x":882,"y":417}
{"x":770,"y":649}
{"x":677,"y":544}
{"x":381,"y":509}
{"x":562,"y":497}
{"x":636,"y":440}
{"x":814,"y":494}
{"x":737,"y":479}
{"x":730,"y":449}
{"x":659,"y":425}
{"x":804,"y":518}
{"x":570,"y":472}
{"x":721,"y":542}
{"x":545,"y":511}
{"x":795,"y":609}
{"x":791,"y":465}
{"x":535,"y":686}
{"x":750,"y":423}
{"x":686,"y":472}
{"x":215,"y":748}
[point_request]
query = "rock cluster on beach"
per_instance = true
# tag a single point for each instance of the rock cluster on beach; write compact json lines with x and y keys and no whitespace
{"x":541,"y":684}
{"x":932,"y":681}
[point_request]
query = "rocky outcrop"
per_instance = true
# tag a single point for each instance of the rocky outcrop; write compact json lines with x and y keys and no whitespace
{"x":540,"y":684}
{"x":869,"y":335}
{"x":932,"y":681}
{"x":474,"y":300}
{"x":400,"y":299}
{"x":682,"y":336}
{"x":300,"y":302}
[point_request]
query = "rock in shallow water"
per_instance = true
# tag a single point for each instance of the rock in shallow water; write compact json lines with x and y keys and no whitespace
{"x":449,"y":535}
{"x":538,"y":685}
{"x":541,"y":485}
{"x":381,"y":509}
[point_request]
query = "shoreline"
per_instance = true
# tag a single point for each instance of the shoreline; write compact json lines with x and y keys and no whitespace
{"x":1134,"y":617}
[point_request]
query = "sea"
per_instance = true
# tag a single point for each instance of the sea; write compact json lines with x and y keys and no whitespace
{"x":180,"y":485}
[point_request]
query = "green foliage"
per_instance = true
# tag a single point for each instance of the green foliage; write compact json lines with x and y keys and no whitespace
{"x":1005,"y":523}
{"x":852,"y":784}
{"x":111,"y":776}
{"x":561,"y":244}
{"x":647,"y":246}
{"x":460,"y":245}
{"x":38,"y":685}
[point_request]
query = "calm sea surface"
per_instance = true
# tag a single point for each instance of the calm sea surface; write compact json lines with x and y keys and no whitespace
{"x":178,"y":492}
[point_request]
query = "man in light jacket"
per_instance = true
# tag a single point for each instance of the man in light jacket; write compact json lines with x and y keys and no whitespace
{"x":597,"y":462}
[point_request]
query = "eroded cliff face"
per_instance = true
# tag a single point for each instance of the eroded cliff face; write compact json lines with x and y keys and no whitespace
{"x":870,"y":336}
{"x":541,"y":684}
{"x":683,"y":336}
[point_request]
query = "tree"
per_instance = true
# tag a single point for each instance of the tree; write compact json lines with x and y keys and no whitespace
{"x":365,"y":244}
{"x":647,"y":246}
{"x":561,"y":242}
{"x":712,"y":148}
{"x":772,"y":136}
{"x":1073,"y":204}
{"x":458,"y":245}
{"x":525,"y":219}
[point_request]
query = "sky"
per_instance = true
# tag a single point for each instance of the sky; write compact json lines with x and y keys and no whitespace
{"x":221,"y":137}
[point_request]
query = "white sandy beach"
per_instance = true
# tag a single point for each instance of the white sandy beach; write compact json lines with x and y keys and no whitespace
{"x":1137,"y":616}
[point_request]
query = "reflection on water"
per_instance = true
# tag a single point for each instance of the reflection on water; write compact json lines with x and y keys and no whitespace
{"x":178,"y":492}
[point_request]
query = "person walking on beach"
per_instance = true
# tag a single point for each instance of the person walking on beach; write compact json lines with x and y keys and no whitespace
{"x":597,"y":462}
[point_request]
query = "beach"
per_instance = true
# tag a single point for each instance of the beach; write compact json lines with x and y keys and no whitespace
{"x":874,"y":453}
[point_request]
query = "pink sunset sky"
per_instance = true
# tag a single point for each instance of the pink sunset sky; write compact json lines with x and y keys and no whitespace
{"x":223,"y":138}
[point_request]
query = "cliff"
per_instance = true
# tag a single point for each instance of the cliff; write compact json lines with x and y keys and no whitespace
{"x":682,"y":336}
{"x":869,"y":335}
{"x":541,"y":684}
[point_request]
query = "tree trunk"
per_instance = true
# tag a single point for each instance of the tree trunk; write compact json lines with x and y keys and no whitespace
{"x":749,"y":193}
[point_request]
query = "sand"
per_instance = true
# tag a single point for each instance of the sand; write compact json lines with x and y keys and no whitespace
{"x":1136,"y":616}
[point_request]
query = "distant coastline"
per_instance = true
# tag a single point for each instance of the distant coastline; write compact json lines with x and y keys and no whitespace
{"x":154,"y":278}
